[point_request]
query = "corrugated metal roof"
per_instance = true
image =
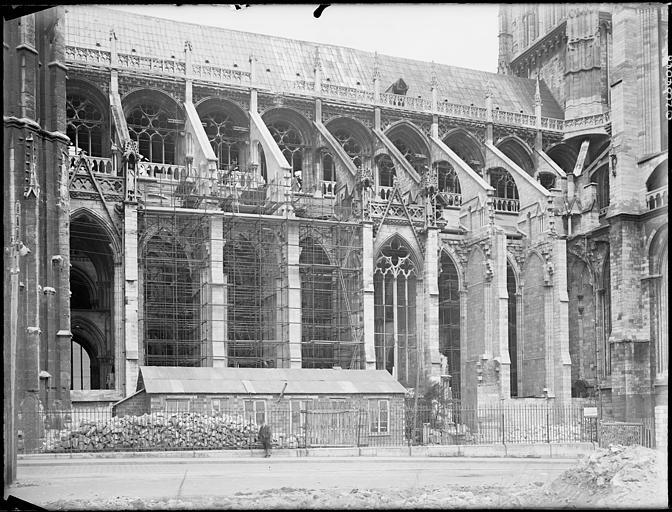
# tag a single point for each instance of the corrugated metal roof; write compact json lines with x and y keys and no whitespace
{"x":282,"y":59}
{"x":177,"y":380}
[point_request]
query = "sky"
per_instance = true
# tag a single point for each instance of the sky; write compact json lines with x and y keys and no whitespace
{"x":463,"y":35}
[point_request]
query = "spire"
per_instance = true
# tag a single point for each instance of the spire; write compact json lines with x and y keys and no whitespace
{"x":435,"y":79}
{"x":318,"y":60}
{"x":376,"y":67}
{"x":489,"y":89}
{"x":537,"y":93}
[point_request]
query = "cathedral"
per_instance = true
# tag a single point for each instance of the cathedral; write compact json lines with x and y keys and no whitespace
{"x":184,"y":195}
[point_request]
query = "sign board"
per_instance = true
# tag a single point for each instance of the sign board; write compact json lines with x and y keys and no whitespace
{"x":590,"y":412}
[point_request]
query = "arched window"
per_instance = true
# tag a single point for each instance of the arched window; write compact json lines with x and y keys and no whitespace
{"x":328,"y":175}
{"x":148,"y":124}
{"x":80,"y":366}
{"x":449,"y":184}
{"x":350,"y":145}
{"x":317,"y":289}
{"x":604,"y":294}
{"x":601,"y":178}
{"x":171,"y":305}
{"x":662,"y":338}
{"x":244,"y":291}
{"x":506,"y":192}
{"x":386,"y":175}
{"x":449,"y":320}
{"x":84,"y":124}
{"x":656,"y":187}
{"x":416,"y":159}
{"x":394,"y":283}
{"x":290,"y":143}
{"x":224,"y":139}
{"x":512,"y":290}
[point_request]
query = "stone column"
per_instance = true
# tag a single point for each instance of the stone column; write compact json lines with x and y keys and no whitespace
{"x":500,"y":307}
{"x":132,"y":338}
{"x":431,"y":306}
{"x":560,"y":327}
{"x":118,"y":322}
{"x":216,"y":295}
{"x":368,"y":295}
{"x":293,"y":306}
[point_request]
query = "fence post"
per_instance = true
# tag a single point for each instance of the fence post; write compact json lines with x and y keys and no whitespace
{"x":359,"y":425}
{"x":502,"y":407}
{"x":548,"y":438}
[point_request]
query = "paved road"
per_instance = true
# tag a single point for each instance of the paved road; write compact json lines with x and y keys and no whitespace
{"x":42,"y":481}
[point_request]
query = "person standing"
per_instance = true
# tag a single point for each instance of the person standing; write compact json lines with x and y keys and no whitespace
{"x":265,"y":438}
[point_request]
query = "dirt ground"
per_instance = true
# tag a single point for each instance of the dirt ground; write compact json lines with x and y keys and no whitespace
{"x":617,"y":477}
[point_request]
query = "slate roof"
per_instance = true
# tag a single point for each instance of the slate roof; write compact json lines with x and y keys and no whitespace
{"x":177,"y":380}
{"x":89,"y":26}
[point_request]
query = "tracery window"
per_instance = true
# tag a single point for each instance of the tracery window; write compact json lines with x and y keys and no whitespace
{"x":242,"y":266}
{"x":416,"y":160}
{"x":84,"y":124}
{"x":224,"y":138}
{"x":290,"y":143}
{"x":148,"y":124}
{"x":506,"y":192}
{"x":449,"y":320}
{"x":394,"y":283}
{"x":386,"y":175}
{"x":449,"y":184}
{"x":350,"y":145}
{"x":171,"y":305}
{"x":601,"y":178}
{"x":317,"y":289}
{"x":328,"y":175}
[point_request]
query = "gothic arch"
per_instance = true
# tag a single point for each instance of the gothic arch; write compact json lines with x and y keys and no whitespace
{"x":354,"y":126}
{"x":517,"y":271}
{"x":157,"y":230}
{"x":412,"y":134}
{"x":412,"y":248}
{"x":152,"y":94}
{"x":294,"y":118}
{"x":465,"y":145}
{"x":518,"y":151}
{"x":87,"y":87}
{"x":104,"y":224}
{"x":456,"y":261}
{"x":564,"y":155}
{"x":210,"y":103}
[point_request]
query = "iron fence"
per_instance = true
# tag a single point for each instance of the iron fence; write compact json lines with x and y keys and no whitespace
{"x":640,"y":432}
{"x":303,"y":424}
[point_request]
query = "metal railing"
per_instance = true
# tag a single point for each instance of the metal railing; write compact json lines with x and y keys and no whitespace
{"x":306,"y":423}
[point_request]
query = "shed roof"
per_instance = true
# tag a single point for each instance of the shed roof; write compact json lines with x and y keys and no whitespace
{"x":305,"y":381}
{"x":280,"y":59}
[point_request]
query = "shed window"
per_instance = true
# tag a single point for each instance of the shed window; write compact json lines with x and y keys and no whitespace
{"x":255,"y":409}
{"x":175,"y":405}
{"x":379,"y":415}
{"x":219,"y":405}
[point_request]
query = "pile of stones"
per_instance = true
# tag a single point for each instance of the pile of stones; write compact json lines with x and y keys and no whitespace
{"x":160,"y":431}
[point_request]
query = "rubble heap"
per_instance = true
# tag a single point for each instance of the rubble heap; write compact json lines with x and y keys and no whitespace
{"x":160,"y":431}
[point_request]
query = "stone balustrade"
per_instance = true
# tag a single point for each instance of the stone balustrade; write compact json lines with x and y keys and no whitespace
{"x":656,"y":198}
{"x":451,"y":199}
{"x":211,"y":73}
{"x":328,"y":188}
{"x":505,"y":205}
{"x":165,"y":172}
{"x":96,"y":164}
